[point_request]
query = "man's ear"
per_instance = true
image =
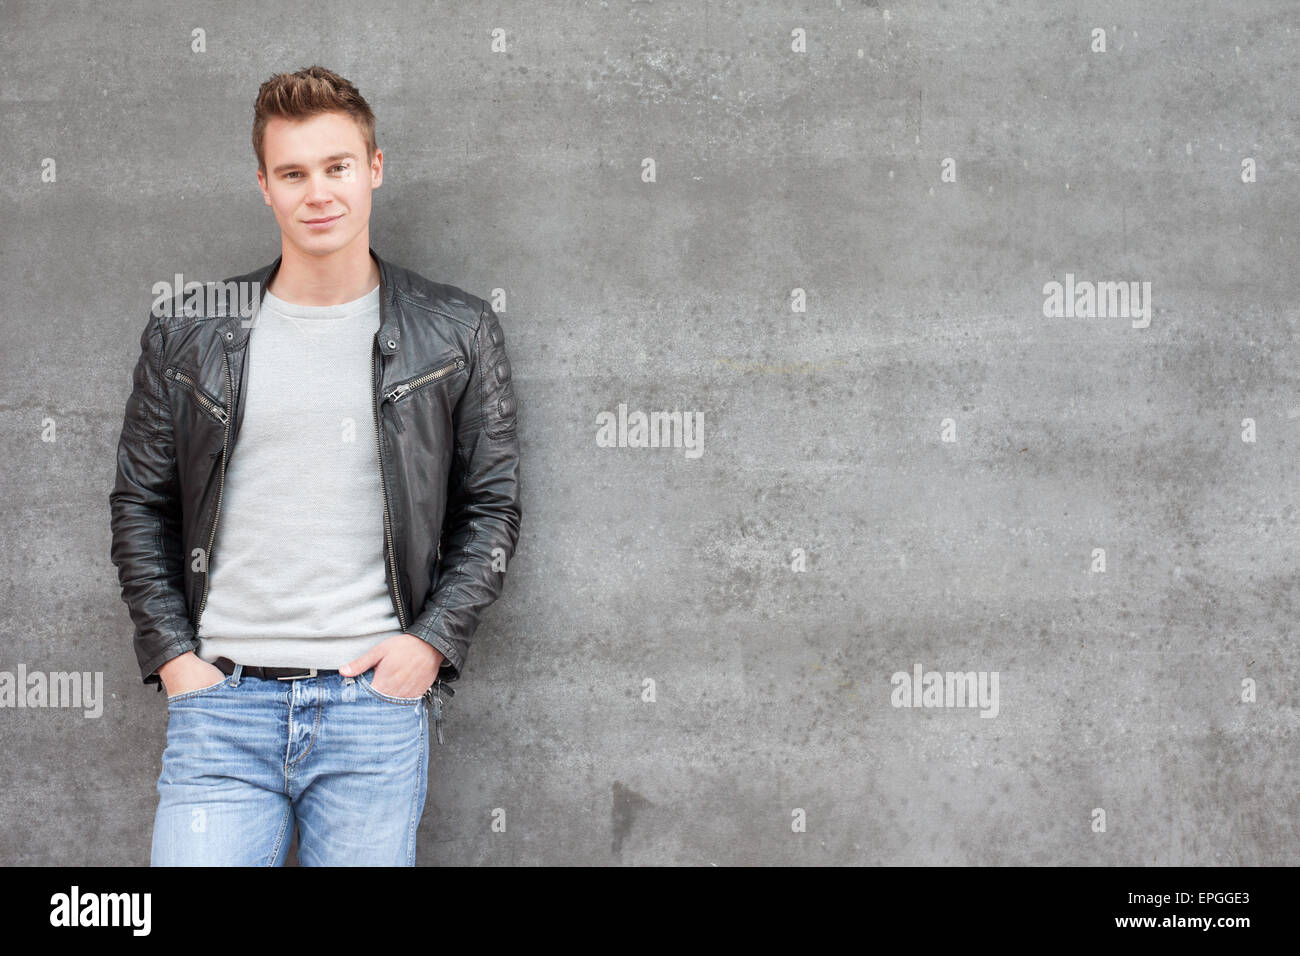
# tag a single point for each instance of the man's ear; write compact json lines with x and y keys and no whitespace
{"x":261,"y":184}
{"x":377,"y":169}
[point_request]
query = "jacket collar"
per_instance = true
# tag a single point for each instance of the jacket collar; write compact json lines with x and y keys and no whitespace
{"x":236,"y":328}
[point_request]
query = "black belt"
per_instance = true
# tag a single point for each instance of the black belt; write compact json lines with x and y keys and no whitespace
{"x":227,"y":666}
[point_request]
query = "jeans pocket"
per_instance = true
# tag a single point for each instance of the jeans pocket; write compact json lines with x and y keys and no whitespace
{"x":369,"y":688}
{"x":201,"y":691}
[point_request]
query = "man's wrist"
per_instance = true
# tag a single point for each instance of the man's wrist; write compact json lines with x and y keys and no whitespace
{"x":170,"y":664}
{"x":438,"y":656}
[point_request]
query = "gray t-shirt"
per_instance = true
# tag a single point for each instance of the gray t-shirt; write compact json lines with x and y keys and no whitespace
{"x":298,"y":570}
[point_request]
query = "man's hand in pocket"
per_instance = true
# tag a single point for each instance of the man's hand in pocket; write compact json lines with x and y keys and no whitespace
{"x":405,"y":666}
{"x":188,"y":672}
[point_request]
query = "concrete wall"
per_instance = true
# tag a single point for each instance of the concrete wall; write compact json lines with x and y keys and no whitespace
{"x":829,"y":536}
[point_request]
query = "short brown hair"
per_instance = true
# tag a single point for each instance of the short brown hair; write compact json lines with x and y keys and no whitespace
{"x":306,"y":93}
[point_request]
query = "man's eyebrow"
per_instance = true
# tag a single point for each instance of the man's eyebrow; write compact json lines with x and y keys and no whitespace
{"x":324,"y":162}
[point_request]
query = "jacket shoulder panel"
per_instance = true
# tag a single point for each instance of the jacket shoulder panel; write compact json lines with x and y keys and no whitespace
{"x":447,"y":300}
{"x":219,"y":299}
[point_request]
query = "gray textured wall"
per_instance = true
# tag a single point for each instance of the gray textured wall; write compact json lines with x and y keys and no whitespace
{"x":1125,"y":690}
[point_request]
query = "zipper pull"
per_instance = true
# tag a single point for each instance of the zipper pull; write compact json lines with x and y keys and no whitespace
{"x":397,"y":419}
{"x":397,"y":393}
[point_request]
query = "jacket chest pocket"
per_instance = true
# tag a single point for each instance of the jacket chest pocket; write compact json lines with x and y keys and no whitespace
{"x":411,"y":388}
{"x":209,"y":405}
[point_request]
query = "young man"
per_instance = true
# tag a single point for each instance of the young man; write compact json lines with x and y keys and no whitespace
{"x":312,"y":510}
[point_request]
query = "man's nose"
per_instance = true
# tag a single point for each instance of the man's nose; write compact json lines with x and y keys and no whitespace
{"x":318,"y":190}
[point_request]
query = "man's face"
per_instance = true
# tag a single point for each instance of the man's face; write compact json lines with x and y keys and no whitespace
{"x":317,"y":180}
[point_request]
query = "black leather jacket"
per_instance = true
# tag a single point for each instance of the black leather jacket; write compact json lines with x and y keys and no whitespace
{"x":444,"y":409}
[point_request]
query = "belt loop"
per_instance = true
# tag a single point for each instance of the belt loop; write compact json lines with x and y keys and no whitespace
{"x":239,"y":670}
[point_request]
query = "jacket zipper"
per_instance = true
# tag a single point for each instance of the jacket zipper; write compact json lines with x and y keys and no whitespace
{"x":432,"y":695}
{"x":400,"y":391}
{"x":383,"y":487}
{"x":221,"y":483}
{"x":208,"y":404}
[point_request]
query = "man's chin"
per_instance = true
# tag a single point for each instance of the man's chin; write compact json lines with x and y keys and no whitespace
{"x":322,"y":244}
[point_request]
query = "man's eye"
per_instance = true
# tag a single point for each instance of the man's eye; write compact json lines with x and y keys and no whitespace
{"x":287,"y":175}
{"x":342,"y":166}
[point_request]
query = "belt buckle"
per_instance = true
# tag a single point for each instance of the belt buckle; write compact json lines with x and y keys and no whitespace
{"x":311,"y":672}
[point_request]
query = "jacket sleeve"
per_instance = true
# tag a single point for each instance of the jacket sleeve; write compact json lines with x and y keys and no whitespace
{"x":146,"y":517}
{"x":481,"y":526}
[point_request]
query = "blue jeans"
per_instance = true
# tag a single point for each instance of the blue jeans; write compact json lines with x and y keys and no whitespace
{"x":248,"y":756}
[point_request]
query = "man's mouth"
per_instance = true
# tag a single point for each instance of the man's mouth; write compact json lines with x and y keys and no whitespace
{"x":321,"y":222}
